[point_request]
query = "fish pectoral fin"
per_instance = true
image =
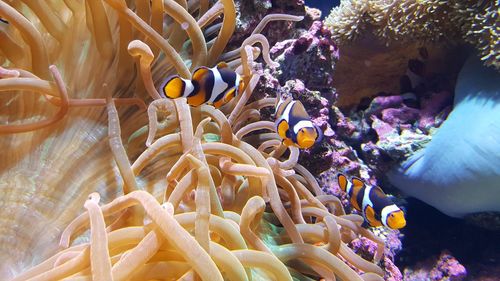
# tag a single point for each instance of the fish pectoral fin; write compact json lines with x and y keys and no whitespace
{"x":288,"y":142}
{"x":283,"y":128}
{"x":197,"y":99}
{"x":173,"y":87}
{"x":369,"y":214}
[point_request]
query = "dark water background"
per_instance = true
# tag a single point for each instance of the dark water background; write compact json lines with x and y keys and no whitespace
{"x":324,"y":5}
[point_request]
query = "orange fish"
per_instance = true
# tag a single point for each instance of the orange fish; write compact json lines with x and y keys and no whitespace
{"x":294,"y":125}
{"x":377,"y":208}
{"x":215,"y":86}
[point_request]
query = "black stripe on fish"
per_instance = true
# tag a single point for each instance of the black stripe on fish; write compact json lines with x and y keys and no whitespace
{"x":209,"y":85}
{"x":379,"y":200}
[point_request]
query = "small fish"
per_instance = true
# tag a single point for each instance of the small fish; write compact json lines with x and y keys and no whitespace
{"x":215,"y":86}
{"x":376,"y":206}
{"x":4,"y":21}
{"x":294,"y":125}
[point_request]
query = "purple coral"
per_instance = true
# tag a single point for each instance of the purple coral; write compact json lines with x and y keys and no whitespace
{"x":444,"y":268}
{"x":310,"y":58}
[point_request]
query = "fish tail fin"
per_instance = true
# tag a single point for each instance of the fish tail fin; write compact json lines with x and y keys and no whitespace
{"x":173,"y":87}
{"x":342,"y":181}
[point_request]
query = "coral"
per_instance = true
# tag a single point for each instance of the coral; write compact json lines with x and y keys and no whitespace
{"x":445,"y":268}
{"x":310,"y":58}
{"x":196,"y":193}
{"x":423,"y":21}
{"x":443,"y":175}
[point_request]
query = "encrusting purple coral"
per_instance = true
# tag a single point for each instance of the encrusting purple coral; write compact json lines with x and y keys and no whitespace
{"x":444,"y":268}
{"x":310,"y":58}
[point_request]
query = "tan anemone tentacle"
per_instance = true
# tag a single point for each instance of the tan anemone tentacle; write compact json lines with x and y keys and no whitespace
{"x":224,"y":228}
{"x":11,"y":49}
{"x":256,"y":186}
{"x":294,"y":198}
{"x":197,"y":149}
{"x":260,"y":125}
{"x":185,"y":123}
{"x":272,"y":194}
{"x":163,"y":105}
{"x":228,"y":263}
{"x":243,"y":99}
{"x":170,"y":53}
{"x":210,"y":15}
{"x":145,"y":57}
{"x":54,"y":25}
{"x":228,"y":26}
{"x":304,"y":192}
{"x":10,"y":129}
{"x":260,"y":26}
{"x":247,"y":116}
{"x":138,"y":256}
{"x":99,"y":253}
{"x":266,"y":261}
{"x":177,"y":236}
{"x":204,"y":4}
{"x":119,"y":153}
{"x":202,"y":201}
{"x":39,"y":59}
{"x":181,"y":16}
{"x":250,"y":218}
{"x":156,"y":22}
{"x":101,"y":30}
{"x":326,"y":259}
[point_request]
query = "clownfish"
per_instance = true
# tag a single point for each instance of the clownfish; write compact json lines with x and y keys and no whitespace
{"x":214,"y":86}
{"x":376,"y":206}
{"x":294,"y":125}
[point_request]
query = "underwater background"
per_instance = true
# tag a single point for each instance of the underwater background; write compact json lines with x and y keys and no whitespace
{"x":240,"y":140}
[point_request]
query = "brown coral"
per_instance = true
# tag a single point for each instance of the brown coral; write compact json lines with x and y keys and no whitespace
{"x":475,"y":22}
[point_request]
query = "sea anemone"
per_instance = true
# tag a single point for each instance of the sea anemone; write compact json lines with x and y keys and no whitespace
{"x":208,"y":194}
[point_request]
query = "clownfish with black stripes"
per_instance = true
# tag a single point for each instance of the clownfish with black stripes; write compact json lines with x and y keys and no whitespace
{"x":294,"y":125}
{"x":376,"y":206}
{"x":214,"y":86}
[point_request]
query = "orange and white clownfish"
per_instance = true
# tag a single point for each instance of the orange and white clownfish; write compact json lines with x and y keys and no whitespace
{"x":376,"y":206}
{"x":294,"y":125}
{"x":215,"y":86}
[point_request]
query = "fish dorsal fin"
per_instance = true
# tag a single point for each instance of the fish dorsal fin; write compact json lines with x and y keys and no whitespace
{"x":200,"y":73}
{"x":299,"y":111}
{"x":342,"y":181}
{"x":369,"y":213}
{"x":357,"y":182}
{"x":281,"y":104}
{"x":379,"y":192}
{"x":222,"y":64}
